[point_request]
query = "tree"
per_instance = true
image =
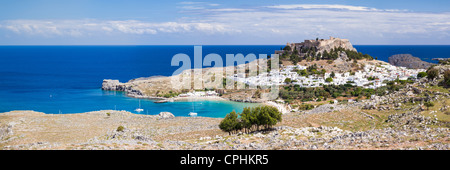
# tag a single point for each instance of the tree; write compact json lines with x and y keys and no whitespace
{"x":323,"y":71}
{"x":326,"y":55}
{"x":332,"y":75}
{"x":251,"y":119}
{"x":421,"y":75}
{"x":294,"y":58}
{"x":287,"y":80}
{"x":432,"y":73}
{"x":287,"y":48}
{"x":267,"y":116}
{"x":275,"y":115}
{"x":329,"y":79}
{"x":302,"y":72}
{"x":257,"y":94}
{"x":263,"y":117}
{"x":230,"y":123}
{"x":248,"y":119}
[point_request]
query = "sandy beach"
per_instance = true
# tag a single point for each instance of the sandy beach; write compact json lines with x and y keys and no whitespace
{"x":194,"y":98}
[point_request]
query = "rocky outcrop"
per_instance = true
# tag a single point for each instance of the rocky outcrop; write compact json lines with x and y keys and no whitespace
{"x":165,"y":115}
{"x":342,"y":58}
{"x":409,"y":94}
{"x":327,"y":45}
{"x":115,"y":85}
{"x":326,"y":108}
{"x":408,"y":61}
{"x":323,"y":44}
{"x":6,"y":131}
{"x":411,"y":119}
{"x":442,"y":69}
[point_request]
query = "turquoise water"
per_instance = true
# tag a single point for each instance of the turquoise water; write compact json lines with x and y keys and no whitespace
{"x":67,"y":79}
{"x":203,"y":108}
{"x":79,"y":101}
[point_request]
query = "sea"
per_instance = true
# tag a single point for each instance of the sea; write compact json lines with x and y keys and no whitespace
{"x":68,"y":79}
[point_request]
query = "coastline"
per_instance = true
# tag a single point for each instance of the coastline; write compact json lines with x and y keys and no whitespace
{"x":29,"y":130}
{"x":283,"y":108}
{"x":395,"y":126}
{"x":196,"y":98}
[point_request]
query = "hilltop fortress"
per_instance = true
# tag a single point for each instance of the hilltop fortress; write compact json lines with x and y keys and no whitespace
{"x":320,"y":45}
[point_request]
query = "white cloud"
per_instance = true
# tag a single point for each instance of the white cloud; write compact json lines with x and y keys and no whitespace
{"x":79,"y":28}
{"x":281,"y":23}
{"x":227,"y":10}
{"x":190,"y":5}
{"x":323,"y":20}
{"x":130,"y":27}
{"x":323,"y":6}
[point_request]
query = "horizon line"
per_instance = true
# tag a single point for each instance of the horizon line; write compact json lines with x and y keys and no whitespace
{"x":207,"y":45}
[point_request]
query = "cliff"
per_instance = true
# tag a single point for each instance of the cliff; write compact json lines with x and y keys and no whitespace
{"x":408,"y":61}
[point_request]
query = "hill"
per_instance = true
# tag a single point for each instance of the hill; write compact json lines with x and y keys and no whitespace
{"x":321,"y":49}
{"x":409,"y":61}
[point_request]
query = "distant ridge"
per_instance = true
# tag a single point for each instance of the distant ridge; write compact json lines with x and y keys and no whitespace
{"x":408,"y":61}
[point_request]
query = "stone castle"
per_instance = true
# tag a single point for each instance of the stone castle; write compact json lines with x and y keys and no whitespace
{"x":321,"y":45}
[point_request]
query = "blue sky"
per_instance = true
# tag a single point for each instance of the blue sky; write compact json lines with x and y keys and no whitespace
{"x":222,"y":22}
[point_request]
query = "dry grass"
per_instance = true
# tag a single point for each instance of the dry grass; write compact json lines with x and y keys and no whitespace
{"x":32,"y":127}
{"x":344,"y":119}
{"x":69,"y":131}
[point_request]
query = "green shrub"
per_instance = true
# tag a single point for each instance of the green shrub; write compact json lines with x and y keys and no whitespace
{"x":306,"y":107}
{"x":370,"y":78}
{"x":421,"y":74}
{"x":287,"y":48}
{"x":446,"y":78}
{"x":432,"y":73}
{"x":428,"y":104}
{"x":304,"y":94}
{"x":120,"y":129}
{"x":287,"y":80}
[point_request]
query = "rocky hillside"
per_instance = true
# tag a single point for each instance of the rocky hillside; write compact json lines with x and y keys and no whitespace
{"x":416,"y":116}
{"x":409,"y":61}
{"x":342,"y":127}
